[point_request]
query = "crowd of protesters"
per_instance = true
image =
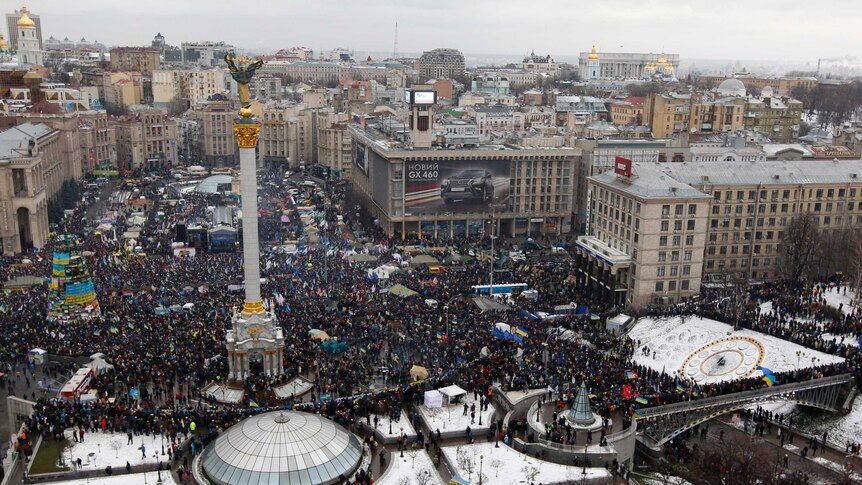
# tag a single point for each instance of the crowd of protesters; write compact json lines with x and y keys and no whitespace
{"x":170,"y":357}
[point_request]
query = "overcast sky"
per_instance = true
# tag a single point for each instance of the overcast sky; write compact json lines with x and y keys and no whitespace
{"x":783,"y":30}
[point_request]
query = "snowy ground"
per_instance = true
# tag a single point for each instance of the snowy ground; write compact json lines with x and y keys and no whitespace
{"x":515,"y":396}
{"x":224,"y":394}
{"x":673,"y":341}
{"x":658,"y":479}
{"x":383,"y":426}
{"x":505,"y":466}
{"x":834,"y":298}
{"x":136,"y":478}
{"x":296,"y":387}
{"x":415,"y":463}
{"x":451,"y":418}
{"x":102,"y":449}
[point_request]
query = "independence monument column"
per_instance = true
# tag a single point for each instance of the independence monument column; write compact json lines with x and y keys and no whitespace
{"x":256,"y":335}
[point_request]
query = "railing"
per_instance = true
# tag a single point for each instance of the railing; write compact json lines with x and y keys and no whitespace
{"x":744,"y":396}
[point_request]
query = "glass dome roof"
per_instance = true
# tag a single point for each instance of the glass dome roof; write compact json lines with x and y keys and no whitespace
{"x":282,"y":448}
{"x":210,"y":185}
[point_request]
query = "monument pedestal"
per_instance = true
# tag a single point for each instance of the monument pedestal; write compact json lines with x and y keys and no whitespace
{"x":254,"y":337}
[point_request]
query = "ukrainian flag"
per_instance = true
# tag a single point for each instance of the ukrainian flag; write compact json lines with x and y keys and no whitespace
{"x":2,"y":308}
{"x":641,"y":400}
{"x":769,"y":380}
{"x":439,"y":335}
{"x":253,"y":404}
{"x":520,"y":331}
{"x":637,"y":414}
{"x":593,"y":316}
{"x":631,"y":375}
{"x":695,"y":393}
{"x":679,"y":388}
{"x":114,"y":329}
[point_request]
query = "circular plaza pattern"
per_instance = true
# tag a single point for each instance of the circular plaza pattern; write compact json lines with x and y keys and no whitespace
{"x":728,"y":358}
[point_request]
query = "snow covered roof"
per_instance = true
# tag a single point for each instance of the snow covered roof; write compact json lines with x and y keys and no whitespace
{"x":648,"y":182}
{"x":767,"y":172}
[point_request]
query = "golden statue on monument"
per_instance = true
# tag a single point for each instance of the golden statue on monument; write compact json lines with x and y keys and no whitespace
{"x":242,"y":75}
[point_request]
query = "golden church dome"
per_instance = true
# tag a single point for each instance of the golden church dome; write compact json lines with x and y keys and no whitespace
{"x":25,"y":22}
{"x":3,"y":44}
{"x":594,"y":56}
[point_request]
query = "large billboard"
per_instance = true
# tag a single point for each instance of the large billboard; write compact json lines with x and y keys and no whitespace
{"x":455,"y":185}
{"x":360,"y":158}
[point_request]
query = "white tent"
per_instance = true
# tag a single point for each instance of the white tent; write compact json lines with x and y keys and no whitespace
{"x":450,"y":393}
{"x":433,"y":399}
{"x":503,"y":327}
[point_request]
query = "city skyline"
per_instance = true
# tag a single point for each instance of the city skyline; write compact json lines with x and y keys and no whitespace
{"x":478,"y":28}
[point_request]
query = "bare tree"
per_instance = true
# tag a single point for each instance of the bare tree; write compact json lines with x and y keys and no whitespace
{"x":742,"y":461}
{"x":799,"y":248}
{"x":404,"y":481}
{"x":424,"y":477}
{"x":413,"y":453}
{"x":116,"y":445}
{"x":530,"y":472}
{"x":496,"y":464}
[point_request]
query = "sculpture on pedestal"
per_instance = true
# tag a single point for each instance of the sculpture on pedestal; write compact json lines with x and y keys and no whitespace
{"x":255,"y":335}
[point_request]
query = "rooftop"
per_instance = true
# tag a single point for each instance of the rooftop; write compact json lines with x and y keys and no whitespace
{"x":766,"y":172}
{"x":649,"y":182}
{"x":282,"y":447}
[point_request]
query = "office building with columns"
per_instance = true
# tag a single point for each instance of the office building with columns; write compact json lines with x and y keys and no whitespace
{"x":414,"y":181}
{"x":625,"y":65}
{"x":661,"y":234}
{"x":645,"y":238}
{"x":32,"y":171}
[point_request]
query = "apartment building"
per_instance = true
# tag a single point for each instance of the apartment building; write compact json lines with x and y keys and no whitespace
{"x":142,"y":59}
{"x":334,"y":143}
{"x":120,"y":90}
{"x":628,"y":111}
{"x":85,"y":137}
{"x":215,"y":117}
{"x":194,"y":86}
{"x":146,"y":139}
{"x":645,"y":238}
{"x":284,"y":139}
{"x":782,"y":86}
{"x":713,"y":219}
{"x":599,"y":156}
{"x":778,"y":118}
{"x":441,"y":63}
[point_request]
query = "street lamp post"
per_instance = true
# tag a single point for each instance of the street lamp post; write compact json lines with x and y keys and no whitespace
{"x":481,"y":460}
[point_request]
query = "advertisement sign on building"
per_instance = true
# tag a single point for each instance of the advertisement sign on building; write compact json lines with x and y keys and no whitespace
{"x":623,"y":166}
{"x":360,"y":158}
{"x":456,"y":185}
{"x":424,"y":97}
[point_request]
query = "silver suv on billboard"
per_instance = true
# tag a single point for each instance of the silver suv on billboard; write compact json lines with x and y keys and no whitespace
{"x":468,"y":184}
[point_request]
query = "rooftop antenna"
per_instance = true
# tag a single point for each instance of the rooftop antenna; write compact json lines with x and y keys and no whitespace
{"x":395,"y":47}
